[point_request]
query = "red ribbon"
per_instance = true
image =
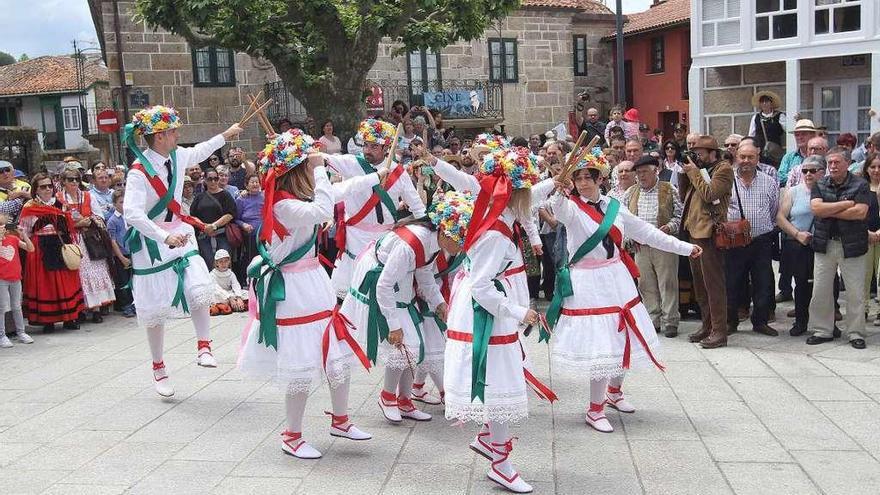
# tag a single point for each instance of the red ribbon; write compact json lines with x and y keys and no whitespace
{"x":541,"y":390}
{"x":364,"y":211}
{"x":161,"y":189}
{"x":615,"y":234}
{"x":341,"y":326}
{"x":627,"y":321}
{"x":37,"y":210}
{"x":496,"y":188}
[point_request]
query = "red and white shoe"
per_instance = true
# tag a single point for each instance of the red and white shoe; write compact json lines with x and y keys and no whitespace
{"x":341,"y":427}
{"x":161,"y":380}
{"x":596,"y":418}
{"x":408,"y":410}
{"x":293,"y":444}
{"x":502,"y":471}
{"x":206,"y":357}
{"x":419,"y":394}
{"x":481,"y":444}
{"x":388,"y":405}
{"x":615,"y":398}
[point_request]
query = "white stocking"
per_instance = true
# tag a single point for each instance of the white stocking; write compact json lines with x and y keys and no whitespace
{"x":499,"y":433}
{"x":421,"y":374}
{"x":201,"y":318}
{"x":392,"y":380}
{"x":295,"y":407}
{"x":598,"y":387}
{"x":405,"y":387}
{"x":437,"y":378}
{"x":616,"y":382}
{"x":156,"y":338}
{"x":339,"y":398}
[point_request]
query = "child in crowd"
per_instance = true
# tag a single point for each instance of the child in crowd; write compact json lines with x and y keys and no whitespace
{"x":616,"y":120}
{"x":121,"y":269}
{"x":228,"y":295}
{"x":10,"y":281}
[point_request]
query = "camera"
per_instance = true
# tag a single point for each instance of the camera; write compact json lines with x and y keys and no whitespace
{"x":690,"y":155}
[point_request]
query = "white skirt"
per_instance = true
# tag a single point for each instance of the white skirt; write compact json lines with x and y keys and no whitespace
{"x":357,"y":240}
{"x":435,"y":346}
{"x":298,"y":361}
{"x":505,"y":398}
{"x":594,"y":344}
{"x":398,"y":358}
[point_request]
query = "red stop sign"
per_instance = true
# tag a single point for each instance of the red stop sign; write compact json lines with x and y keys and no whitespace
{"x":108,"y":121}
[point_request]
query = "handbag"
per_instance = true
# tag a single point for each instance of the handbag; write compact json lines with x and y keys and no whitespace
{"x":736,"y":233}
{"x":772,"y":152}
{"x":95,"y":239}
{"x":234,"y":234}
{"x":71,"y":254}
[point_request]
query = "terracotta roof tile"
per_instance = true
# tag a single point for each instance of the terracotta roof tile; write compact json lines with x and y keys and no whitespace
{"x":47,"y":74}
{"x":665,"y":14}
{"x":590,"y":6}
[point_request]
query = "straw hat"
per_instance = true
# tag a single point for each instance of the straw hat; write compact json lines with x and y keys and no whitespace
{"x":805,"y":125}
{"x":775,"y":100}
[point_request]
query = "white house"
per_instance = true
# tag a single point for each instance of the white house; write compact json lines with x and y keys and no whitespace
{"x":43,"y":93}
{"x":821,"y":56}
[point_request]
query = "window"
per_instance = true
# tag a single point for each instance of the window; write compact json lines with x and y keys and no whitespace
{"x":657,"y":56}
{"x":71,"y":118}
{"x":838,"y":16}
{"x":423,"y":68}
{"x":775,"y":19}
{"x":720,"y":24}
{"x":843,"y":107}
{"x":580,"y":55}
{"x":213,"y":67}
{"x":863,"y":116}
{"x":503,"y":60}
{"x":8,"y":116}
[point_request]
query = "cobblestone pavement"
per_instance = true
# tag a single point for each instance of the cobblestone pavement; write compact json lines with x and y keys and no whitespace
{"x":766,"y":415}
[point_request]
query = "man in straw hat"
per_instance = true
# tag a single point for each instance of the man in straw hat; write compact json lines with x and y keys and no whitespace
{"x":168,"y":272}
{"x":804,"y":130}
{"x":367,"y":218}
{"x":768,"y":124}
{"x":705,"y":189}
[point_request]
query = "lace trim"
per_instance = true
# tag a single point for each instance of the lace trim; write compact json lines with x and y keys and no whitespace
{"x":609,"y":367}
{"x":479,"y":413}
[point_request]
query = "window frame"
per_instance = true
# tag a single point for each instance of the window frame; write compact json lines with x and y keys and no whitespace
{"x":10,"y":114}
{"x":75,"y":118}
{"x":771,"y":22}
{"x":830,"y":8}
{"x":425,"y":82}
{"x":574,"y":52}
{"x":727,"y":18}
{"x":213,"y":69}
{"x":652,"y":69}
{"x":502,"y":69}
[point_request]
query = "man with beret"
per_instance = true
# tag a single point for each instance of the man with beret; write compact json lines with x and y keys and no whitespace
{"x":705,"y":190}
{"x":657,"y":203}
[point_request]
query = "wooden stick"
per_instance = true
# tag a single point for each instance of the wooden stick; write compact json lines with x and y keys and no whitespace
{"x":577,"y":145}
{"x":569,"y":168}
{"x":390,"y":156}
{"x":252,"y":105}
{"x":258,"y":110}
{"x":264,"y":120}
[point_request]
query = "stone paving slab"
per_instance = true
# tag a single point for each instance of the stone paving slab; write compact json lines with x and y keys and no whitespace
{"x":766,"y":415}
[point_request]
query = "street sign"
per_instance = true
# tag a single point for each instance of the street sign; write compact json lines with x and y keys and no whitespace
{"x":138,"y":99}
{"x":108,"y":121}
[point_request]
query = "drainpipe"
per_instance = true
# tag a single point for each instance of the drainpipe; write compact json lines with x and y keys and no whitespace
{"x":123,"y":88}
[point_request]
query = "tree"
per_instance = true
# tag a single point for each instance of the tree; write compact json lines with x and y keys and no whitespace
{"x":24,"y":57}
{"x":6,"y":59}
{"x":323,"y":49}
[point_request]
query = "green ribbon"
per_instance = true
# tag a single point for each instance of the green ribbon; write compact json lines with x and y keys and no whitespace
{"x":382,"y":193}
{"x":268,"y":283}
{"x":483,"y":323}
{"x":135,"y":239}
{"x":377,"y":325}
{"x":453,"y":265}
{"x":416,"y":316}
{"x":426,"y":312}
{"x":179,"y":266}
{"x":563,"y":286}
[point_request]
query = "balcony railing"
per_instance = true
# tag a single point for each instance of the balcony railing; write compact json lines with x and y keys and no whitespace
{"x":457,"y":99}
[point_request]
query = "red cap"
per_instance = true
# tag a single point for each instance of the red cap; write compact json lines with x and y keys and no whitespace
{"x":632,"y":115}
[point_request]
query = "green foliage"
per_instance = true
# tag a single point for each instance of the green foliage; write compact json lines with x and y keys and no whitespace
{"x":24,"y":57}
{"x":6,"y":59}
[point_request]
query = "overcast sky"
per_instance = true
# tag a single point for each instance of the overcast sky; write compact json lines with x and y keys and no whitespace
{"x":47,"y":27}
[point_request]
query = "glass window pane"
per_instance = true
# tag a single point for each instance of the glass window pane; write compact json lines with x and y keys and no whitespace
{"x":728,"y":33}
{"x":784,"y":26}
{"x":203,"y":58}
{"x":224,"y":75}
{"x":821,"y":21}
{"x":790,"y":4}
{"x":415,"y":60}
{"x":733,"y":8}
{"x":764,"y":6}
{"x":826,"y":2}
{"x":708,"y":34}
{"x":864,"y":95}
{"x":762,"y":28}
{"x":509,"y":47}
{"x":713,"y":9}
{"x":495,"y":47}
{"x":864,"y":120}
{"x":831,"y":97}
{"x":847,"y":19}
{"x":496,"y":61}
{"x":831,"y":120}
{"x":430,"y":59}
{"x":204,"y":74}
{"x":223,"y":58}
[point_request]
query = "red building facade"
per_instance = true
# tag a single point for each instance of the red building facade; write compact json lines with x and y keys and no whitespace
{"x":657,"y":58}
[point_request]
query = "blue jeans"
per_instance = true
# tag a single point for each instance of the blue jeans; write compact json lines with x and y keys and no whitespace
{"x":210,"y":245}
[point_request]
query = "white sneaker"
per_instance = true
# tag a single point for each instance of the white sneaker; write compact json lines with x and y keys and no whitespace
{"x":350,"y":432}
{"x":206,"y":359}
{"x":423,"y":396}
{"x":24,"y":338}
{"x":481,"y":445}
{"x":599,"y":422}
{"x":5,"y":343}
{"x":502,"y":471}
{"x":162,"y":382}
{"x":389,"y":409}
{"x":619,"y":402}
{"x":293,"y":444}
{"x":408,"y":410}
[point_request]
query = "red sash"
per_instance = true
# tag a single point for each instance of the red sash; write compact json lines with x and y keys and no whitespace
{"x":616,"y":235}
{"x":371,"y":203}
{"x":279,"y":229}
{"x":442,"y":265}
{"x":161,"y":189}
{"x":85,"y":207}
{"x":414,"y":243}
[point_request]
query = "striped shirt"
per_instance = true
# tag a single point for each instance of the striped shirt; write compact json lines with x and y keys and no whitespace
{"x":760,"y":201}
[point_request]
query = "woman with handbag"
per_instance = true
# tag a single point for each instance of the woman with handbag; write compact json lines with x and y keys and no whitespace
{"x":52,"y":290}
{"x":94,"y":275}
{"x":216,"y":208}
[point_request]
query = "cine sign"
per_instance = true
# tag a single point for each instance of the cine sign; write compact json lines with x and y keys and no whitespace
{"x":457,"y":103}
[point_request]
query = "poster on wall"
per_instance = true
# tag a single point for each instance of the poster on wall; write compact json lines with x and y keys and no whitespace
{"x":457,"y":104}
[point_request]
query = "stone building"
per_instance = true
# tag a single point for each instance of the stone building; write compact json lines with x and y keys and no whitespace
{"x":524,"y":72}
{"x":819,"y":56}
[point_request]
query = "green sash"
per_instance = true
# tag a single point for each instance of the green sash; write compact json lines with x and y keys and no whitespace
{"x":482,"y":331}
{"x":413,"y":308}
{"x":563,"y":286}
{"x":135,"y":239}
{"x":377,"y":189}
{"x":179,"y":266}
{"x":269,"y":296}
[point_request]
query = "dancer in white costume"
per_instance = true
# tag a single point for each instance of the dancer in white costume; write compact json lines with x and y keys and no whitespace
{"x":484,"y":374}
{"x":168,"y":272}
{"x":382,"y":300}
{"x":294,"y":335}
{"x":368,"y":216}
{"x":601,"y":326}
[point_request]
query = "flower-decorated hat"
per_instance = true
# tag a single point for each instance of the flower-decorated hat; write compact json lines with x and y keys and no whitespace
{"x":486,"y":142}
{"x":376,"y":131}
{"x":155,"y":119}
{"x":286,"y":151}
{"x":517,"y":164}
{"x":595,"y":159}
{"x":452,"y":214}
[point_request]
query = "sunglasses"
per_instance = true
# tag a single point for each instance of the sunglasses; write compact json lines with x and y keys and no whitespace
{"x":212,"y":179}
{"x":5,"y":170}
{"x":810,"y":170}
{"x":71,"y":179}
{"x":44,"y":186}
{"x":730,"y":145}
